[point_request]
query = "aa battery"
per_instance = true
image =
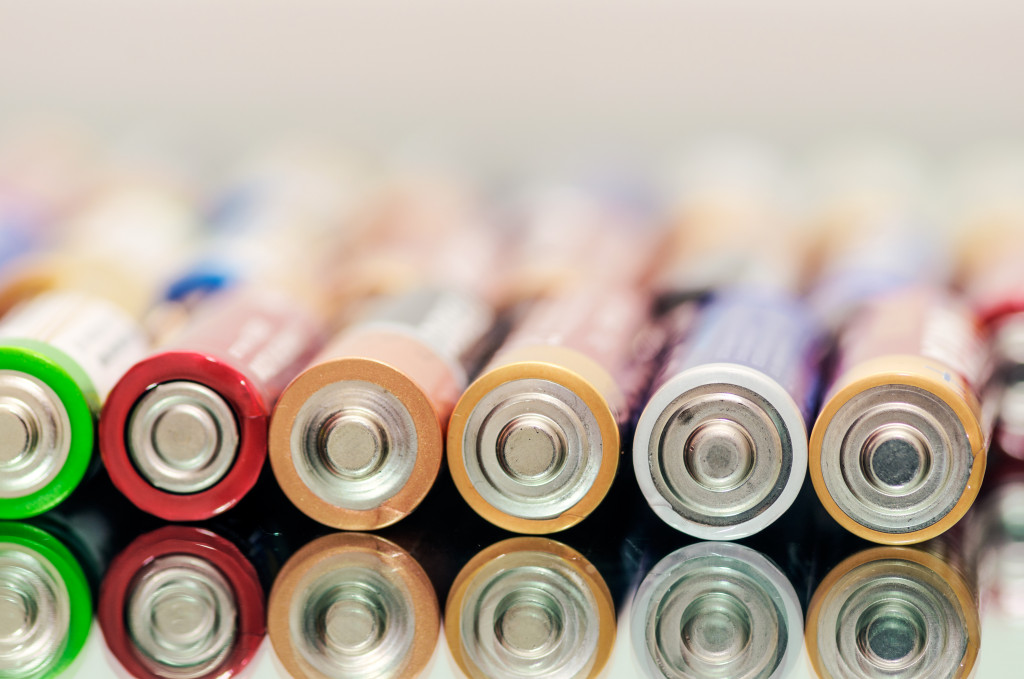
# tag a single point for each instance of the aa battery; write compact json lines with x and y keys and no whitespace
{"x":181,"y":602}
{"x":60,"y":355}
{"x":184,"y":433}
{"x":353,"y":605}
{"x":895,"y":611}
{"x":720,"y":449}
{"x":46,"y":604}
{"x":530,"y":607}
{"x":716,"y":609}
{"x":898,"y":452}
{"x":356,"y":440}
{"x":534,"y":442}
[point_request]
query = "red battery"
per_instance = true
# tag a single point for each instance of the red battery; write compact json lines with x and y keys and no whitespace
{"x":190,"y":422}
{"x":182,"y":597}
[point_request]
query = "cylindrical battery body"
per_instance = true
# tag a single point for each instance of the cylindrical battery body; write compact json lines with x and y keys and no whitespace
{"x":534,"y":443}
{"x":353,"y":605}
{"x":45,"y":589}
{"x":182,"y":602}
{"x":60,"y":355}
{"x":530,"y":607}
{"x":184,"y":433}
{"x":720,"y":450}
{"x":897,"y":453}
{"x":716,"y":609}
{"x":895,"y":611}
{"x":356,"y":440}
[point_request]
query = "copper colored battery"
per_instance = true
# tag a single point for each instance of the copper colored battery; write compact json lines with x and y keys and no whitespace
{"x":898,"y":451}
{"x":356,"y":440}
{"x":896,"y":611}
{"x":184,"y":432}
{"x":353,"y":605}
{"x":534,"y":443}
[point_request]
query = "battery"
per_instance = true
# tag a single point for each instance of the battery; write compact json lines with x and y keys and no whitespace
{"x":184,"y":432}
{"x":898,"y":451}
{"x":895,"y":611}
{"x":356,"y":440}
{"x":534,"y":442}
{"x":46,"y":605}
{"x":181,"y":602}
{"x":716,"y":609}
{"x":353,"y":605}
{"x":60,"y":354}
{"x":720,"y":449}
{"x":530,"y":607}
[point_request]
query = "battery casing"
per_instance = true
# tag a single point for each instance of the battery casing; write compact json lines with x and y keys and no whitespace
{"x":586,"y":351}
{"x":245,"y":345}
{"x":414,"y":351}
{"x":918,"y":341}
{"x":202,"y":545}
{"x":78,"y":346}
{"x":743,"y":344}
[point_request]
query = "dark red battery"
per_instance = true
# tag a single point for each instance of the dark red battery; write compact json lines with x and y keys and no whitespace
{"x":184,"y":433}
{"x":182,"y":597}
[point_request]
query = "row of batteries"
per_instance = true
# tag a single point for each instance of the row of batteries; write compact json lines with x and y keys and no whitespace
{"x":526,"y":357}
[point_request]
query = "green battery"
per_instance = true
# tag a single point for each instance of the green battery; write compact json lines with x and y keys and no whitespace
{"x":45,"y":603}
{"x":60,"y":354}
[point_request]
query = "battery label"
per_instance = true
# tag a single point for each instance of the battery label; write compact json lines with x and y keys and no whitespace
{"x":918,"y":322}
{"x":104,"y":340}
{"x":268,"y":337}
{"x":773,"y":334}
{"x":451,"y":323}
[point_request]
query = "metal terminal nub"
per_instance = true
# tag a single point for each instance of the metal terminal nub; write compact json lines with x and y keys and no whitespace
{"x":712,"y":611}
{"x":35,"y":612}
{"x":896,"y":458}
{"x":35,"y":434}
{"x":181,"y":615}
{"x":354,"y":444}
{"x":532,"y":448}
{"x":353,"y":619}
{"x":182,"y":437}
{"x":889,"y":618}
{"x":720,"y":454}
{"x":531,"y":615}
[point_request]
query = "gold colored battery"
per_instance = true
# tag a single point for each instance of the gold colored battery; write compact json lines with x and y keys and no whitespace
{"x":896,"y":611}
{"x":898,"y":451}
{"x":530,"y":607}
{"x":357,"y":440}
{"x":353,"y":605}
{"x":534,"y":443}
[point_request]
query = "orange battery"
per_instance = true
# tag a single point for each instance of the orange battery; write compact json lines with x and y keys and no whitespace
{"x":353,"y":605}
{"x":892,"y":611}
{"x":898,"y":452}
{"x":534,"y":443}
{"x":530,"y":606}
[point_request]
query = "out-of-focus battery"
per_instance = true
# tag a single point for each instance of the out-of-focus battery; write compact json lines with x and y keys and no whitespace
{"x":46,"y":602}
{"x":534,"y":443}
{"x":898,"y":452}
{"x":896,"y":611}
{"x":184,"y":433}
{"x":60,"y":355}
{"x":182,"y":601}
{"x":720,"y":450}
{"x":530,"y":607}
{"x":353,"y":605}
{"x":715,"y":609}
